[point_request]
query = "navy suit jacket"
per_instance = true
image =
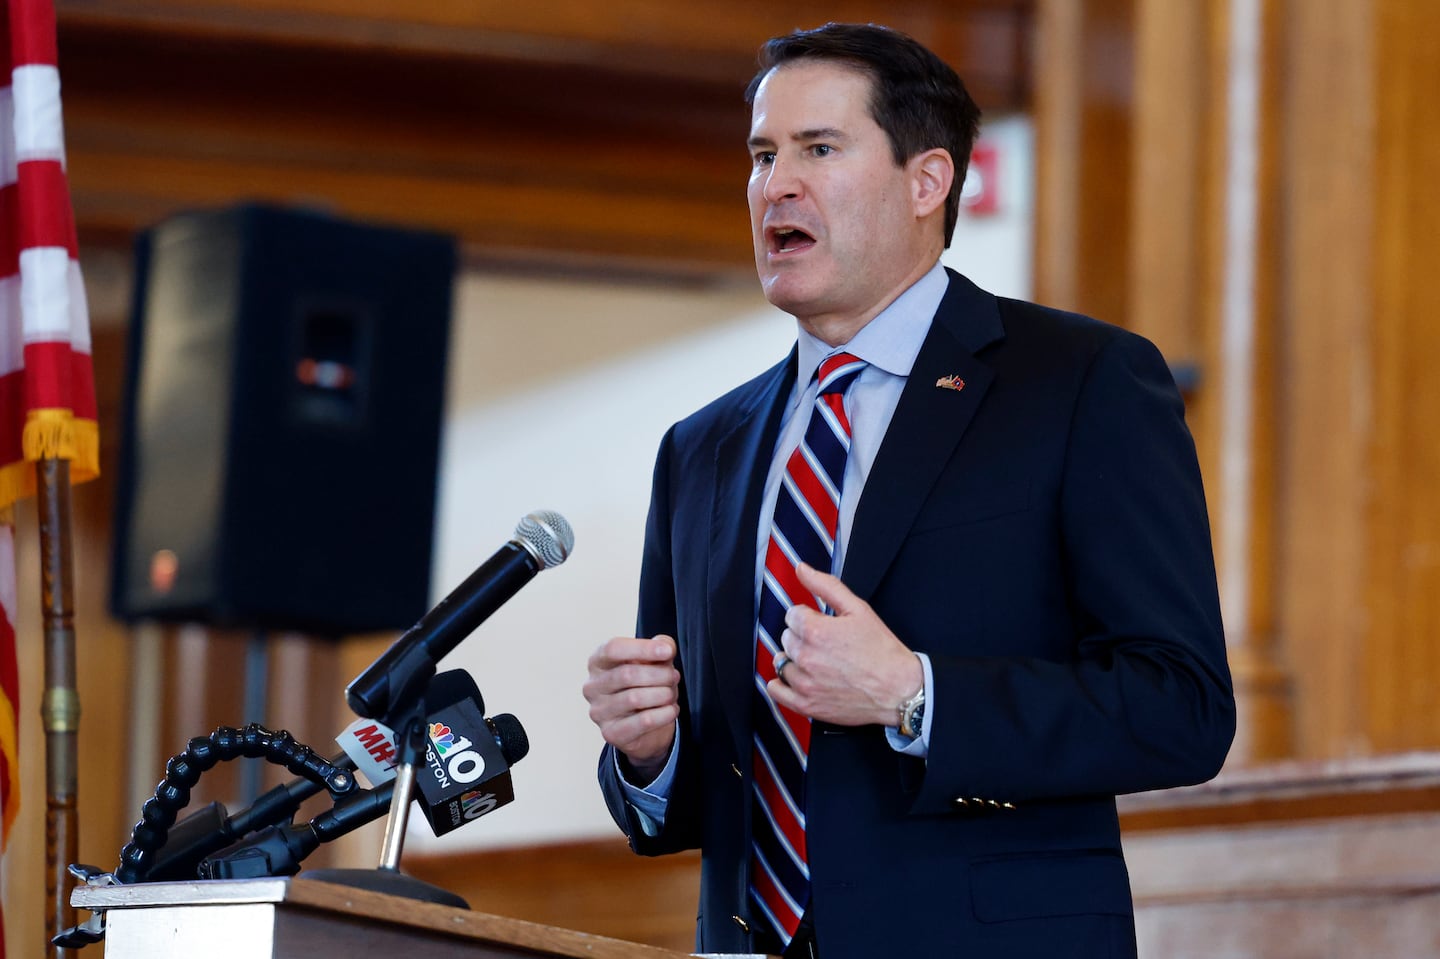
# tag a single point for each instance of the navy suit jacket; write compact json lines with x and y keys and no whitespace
{"x":1042,"y":535}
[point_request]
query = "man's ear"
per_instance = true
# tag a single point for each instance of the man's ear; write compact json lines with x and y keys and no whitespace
{"x":931,"y":174}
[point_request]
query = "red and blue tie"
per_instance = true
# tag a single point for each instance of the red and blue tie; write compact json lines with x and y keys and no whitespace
{"x":807,"y":511}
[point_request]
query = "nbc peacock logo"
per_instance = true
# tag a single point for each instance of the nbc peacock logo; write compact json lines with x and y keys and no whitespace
{"x":441,"y":738}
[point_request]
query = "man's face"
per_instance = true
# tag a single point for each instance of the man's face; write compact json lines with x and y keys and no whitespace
{"x":831,"y":214}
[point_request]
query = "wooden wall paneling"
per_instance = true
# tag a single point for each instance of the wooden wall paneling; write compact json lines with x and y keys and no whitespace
{"x":552,"y":130}
{"x":1326,"y":366}
{"x":1401,"y":682}
{"x":1083,"y":106}
{"x":1291,"y":861}
{"x":706,"y":38}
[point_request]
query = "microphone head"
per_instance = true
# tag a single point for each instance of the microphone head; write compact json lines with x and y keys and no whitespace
{"x":514,"y":743}
{"x":547,"y":536}
{"x":451,"y":687}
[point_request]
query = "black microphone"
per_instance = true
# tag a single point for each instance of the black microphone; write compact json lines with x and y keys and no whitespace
{"x":467,"y":767}
{"x":369,"y":745}
{"x":211,"y":828}
{"x":464,"y":771}
{"x":391,"y":684}
{"x":278,"y":850}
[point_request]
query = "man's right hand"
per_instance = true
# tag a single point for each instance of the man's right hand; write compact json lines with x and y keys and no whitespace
{"x":634,"y":696}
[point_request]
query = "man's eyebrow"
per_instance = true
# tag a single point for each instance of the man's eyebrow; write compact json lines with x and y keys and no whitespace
{"x":803,"y":136}
{"x":823,"y":133}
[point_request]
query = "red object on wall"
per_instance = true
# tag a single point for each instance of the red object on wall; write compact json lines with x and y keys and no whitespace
{"x":980,"y":196}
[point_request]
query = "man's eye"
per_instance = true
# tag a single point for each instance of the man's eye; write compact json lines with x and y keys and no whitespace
{"x":764,"y":159}
{"x":822,"y":149}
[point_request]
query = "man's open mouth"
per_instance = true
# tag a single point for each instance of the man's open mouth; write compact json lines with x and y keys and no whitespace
{"x":789,"y":239}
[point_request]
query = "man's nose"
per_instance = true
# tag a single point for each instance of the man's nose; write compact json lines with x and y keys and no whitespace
{"x":782,"y":181}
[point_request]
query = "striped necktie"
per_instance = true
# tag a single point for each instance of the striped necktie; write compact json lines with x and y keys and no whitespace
{"x":807,"y":510}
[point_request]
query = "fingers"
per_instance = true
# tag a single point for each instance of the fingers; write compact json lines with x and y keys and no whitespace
{"x":625,"y":663}
{"x":831,"y":591}
{"x":781,"y":661}
{"x":625,"y":649}
{"x":633,"y":691}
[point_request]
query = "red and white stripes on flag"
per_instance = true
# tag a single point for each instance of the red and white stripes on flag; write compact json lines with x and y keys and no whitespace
{"x":47,"y":388}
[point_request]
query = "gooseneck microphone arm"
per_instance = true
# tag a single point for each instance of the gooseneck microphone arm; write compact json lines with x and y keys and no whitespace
{"x":183,"y":771}
{"x":391,"y":686}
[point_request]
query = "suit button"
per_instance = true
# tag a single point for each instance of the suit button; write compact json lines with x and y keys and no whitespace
{"x":961,"y":801}
{"x":1007,"y":805}
{"x":744,"y":926}
{"x":977,"y":800}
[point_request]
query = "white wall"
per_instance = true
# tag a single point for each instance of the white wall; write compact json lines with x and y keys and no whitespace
{"x":560,"y":392}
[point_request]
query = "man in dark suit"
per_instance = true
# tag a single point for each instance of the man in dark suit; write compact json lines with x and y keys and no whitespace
{"x":1024,"y":621}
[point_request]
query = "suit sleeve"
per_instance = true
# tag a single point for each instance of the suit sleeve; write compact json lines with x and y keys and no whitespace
{"x":1145,"y":701}
{"x":656,"y":616}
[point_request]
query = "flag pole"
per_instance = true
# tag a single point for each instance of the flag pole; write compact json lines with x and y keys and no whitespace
{"x":60,"y":710}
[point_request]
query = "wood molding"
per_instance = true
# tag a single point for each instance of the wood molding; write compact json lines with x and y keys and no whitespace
{"x":1292,"y":792}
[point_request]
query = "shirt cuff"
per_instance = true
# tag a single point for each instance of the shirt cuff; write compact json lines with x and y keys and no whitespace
{"x":651,"y":800}
{"x":919,"y":747}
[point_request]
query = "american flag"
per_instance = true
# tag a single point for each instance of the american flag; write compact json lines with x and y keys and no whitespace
{"x":47,"y":387}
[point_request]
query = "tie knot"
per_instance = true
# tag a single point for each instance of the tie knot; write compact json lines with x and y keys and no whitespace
{"x":837,"y":371}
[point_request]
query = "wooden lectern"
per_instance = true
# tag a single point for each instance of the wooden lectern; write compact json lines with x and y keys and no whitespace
{"x":307,"y":919}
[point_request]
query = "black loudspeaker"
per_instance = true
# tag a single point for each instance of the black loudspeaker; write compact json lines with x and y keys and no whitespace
{"x":286,"y":380}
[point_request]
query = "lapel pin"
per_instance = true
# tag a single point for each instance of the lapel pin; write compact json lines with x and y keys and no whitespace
{"x":951,"y":382}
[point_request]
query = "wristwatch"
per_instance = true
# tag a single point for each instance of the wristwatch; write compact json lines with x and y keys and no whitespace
{"x":912,"y":714}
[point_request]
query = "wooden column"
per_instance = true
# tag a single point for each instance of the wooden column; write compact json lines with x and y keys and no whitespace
{"x":1402,"y":579}
{"x":1326,"y":251}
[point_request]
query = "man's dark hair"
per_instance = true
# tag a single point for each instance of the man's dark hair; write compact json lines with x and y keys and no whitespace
{"x":915,"y":97}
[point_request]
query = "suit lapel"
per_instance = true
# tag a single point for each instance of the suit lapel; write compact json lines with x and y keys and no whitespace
{"x":928,"y":423}
{"x":742,"y":459}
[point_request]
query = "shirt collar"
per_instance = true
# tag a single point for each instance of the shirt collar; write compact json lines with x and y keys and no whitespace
{"x":890,"y":341}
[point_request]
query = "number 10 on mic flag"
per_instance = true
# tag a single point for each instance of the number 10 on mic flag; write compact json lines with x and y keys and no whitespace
{"x":462,"y":773}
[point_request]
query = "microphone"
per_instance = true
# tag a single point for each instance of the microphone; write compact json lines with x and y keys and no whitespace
{"x":466,"y":764}
{"x":370,"y":745}
{"x":391,"y":684}
{"x":211,"y":828}
{"x":481,"y":783}
{"x":277,"y":850}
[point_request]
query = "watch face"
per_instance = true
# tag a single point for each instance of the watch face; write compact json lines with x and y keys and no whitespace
{"x":917,"y":718}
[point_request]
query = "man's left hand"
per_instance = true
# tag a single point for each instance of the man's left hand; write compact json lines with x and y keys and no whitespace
{"x":849,"y":668}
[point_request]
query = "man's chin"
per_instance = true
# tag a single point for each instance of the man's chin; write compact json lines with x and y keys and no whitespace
{"x":788,"y":294}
